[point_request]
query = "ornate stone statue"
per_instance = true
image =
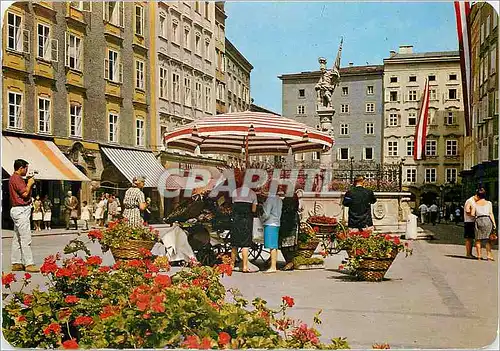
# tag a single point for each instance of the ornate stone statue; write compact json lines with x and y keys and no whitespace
{"x":328,"y":81}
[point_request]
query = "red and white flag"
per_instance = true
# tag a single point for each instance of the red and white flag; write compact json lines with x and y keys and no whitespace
{"x":462,"y":11}
{"x":421,"y":129}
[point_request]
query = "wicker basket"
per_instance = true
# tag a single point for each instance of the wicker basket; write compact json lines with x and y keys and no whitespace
{"x":307,"y":250}
{"x":130,"y":249}
{"x":373,"y":269}
{"x":324,"y":228}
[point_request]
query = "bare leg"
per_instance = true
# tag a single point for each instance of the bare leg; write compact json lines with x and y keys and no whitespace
{"x":274,"y":258}
{"x":478,"y":249}
{"x":488,"y":251}
{"x":234,"y":254}
{"x":468,"y":247}
{"x":244,"y":254}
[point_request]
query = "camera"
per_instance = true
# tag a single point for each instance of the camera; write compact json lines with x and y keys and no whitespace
{"x":32,"y":173}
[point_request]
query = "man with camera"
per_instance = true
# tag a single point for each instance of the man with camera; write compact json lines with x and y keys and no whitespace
{"x":20,"y":199}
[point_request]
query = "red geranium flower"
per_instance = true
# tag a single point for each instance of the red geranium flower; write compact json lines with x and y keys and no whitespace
{"x":27,"y":276}
{"x":116,"y":265}
{"x":206,"y":343}
{"x":70,"y":344}
{"x":71,"y":299}
{"x":97,"y":234}
{"x":341,"y":267}
{"x":104,"y":269}
{"x":288,"y":300}
{"x":397,"y":241}
{"x":134,"y":263}
{"x":83,"y":320}
{"x":191,"y":342}
{"x":28,"y":299}
{"x":145,"y":252}
{"x":63,"y":272}
{"x":146,"y":316}
{"x":21,"y":319}
{"x":148,"y":275}
{"x":316,"y":229}
{"x":8,"y":279}
{"x":163,"y":280}
{"x":94,"y":260}
{"x":52,"y":328}
{"x":107,"y":311}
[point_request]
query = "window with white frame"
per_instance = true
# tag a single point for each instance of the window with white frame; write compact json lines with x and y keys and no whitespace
{"x":139,"y":20}
{"x":139,"y":132}
{"x":43,"y":115}
{"x":344,"y":153}
{"x":139,"y":74}
{"x":175,"y":31}
{"x":187,"y":37}
{"x":188,"y":100}
{"x":74,"y":51}
{"x":15,"y":108}
{"x":411,"y":175}
{"x":370,"y":107}
{"x":451,"y":175}
{"x":344,"y":108}
{"x":433,"y":94}
{"x":493,"y":58}
{"x":369,"y":90}
{"x":221,"y":91}
{"x":14,"y":32}
{"x":163,"y":26}
{"x":207,"y":49}
{"x":451,"y":147}
{"x":208,"y":99}
{"x":431,"y":148}
{"x":393,"y":120}
{"x":44,"y":48}
{"x":75,"y":120}
{"x":300,"y":156}
{"x":368,"y":153}
{"x":176,"y":92}
{"x":301,"y":110}
{"x":452,"y":94}
{"x":450,"y":118}
{"x":344,"y":129}
{"x":370,"y":128}
{"x":113,"y":69}
{"x":412,"y":95}
{"x":430,"y":175}
{"x":393,"y":96}
{"x":316,"y":156}
{"x":197,"y":44}
{"x":392,"y":148}
{"x":345,"y":91}
{"x":198,"y":95}
{"x":113,"y":12}
{"x":410,"y":146}
{"x":163,"y":83}
{"x":113,"y":128}
{"x":412,"y":118}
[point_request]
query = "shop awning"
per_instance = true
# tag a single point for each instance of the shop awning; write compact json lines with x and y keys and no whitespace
{"x":42,"y":155}
{"x":133,"y":163}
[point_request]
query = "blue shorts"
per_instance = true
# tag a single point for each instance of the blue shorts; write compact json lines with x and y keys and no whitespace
{"x":271,"y":234}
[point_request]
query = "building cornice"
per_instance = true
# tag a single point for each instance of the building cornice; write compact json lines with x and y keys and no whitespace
{"x":232,"y":51}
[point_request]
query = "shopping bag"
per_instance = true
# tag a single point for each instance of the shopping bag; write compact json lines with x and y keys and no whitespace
{"x":258,"y":231}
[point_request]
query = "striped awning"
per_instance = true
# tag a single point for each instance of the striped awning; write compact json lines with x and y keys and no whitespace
{"x":42,"y":155}
{"x":133,"y":163}
{"x":266,"y":134}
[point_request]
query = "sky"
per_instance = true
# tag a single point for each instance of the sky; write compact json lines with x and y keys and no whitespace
{"x":288,"y":37}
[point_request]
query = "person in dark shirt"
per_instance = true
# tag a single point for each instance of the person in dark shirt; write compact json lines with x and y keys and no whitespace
{"x":359,"y":201}
{"x":20,"y":212}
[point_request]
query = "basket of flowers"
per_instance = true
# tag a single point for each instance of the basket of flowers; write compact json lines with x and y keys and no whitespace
{"x":370,"y":255}
{"x":323,"y":224}
{"x":125,"y":241}
{"x":306,"y":241}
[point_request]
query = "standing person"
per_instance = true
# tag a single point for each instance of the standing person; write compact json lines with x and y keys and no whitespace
{"x":106,"y":209}
{"x":433,"y":210}
{"x":244,"y":209}
{"x":271,"y":219}
{"x":99,"y":211}
{"x":469,"y":224}
{"x":359,"y":200}
{"x":70,"y":212}
{"x":85,"y":216}
{"x":289,"y":228}
{"x":37,"y":213}
{"x":47,"y":212}
{"x":423,"y":212}
{"x":20,"y":200}
{"x":484,"y":223}
{"x":134,"y":202}
{"x":112,"y":208}
{"x":457,"y":215}
{"x":147,"y":211}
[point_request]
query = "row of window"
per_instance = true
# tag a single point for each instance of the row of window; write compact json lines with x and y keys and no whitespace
{"x":430,"y":147}
{"x":487,"y":27}
{"x":430,"y":175}
{"x":170,"y":88}
{"x":345,"y":91}
{"x":414,"y":95}
{"x":344,"y":154}
{"x":344,"y":108}
{"x":15,"y":101}
{"x":487,"y":65}
{"x":238,"y":88}
{"x":394,"y":118}
{"x":430,"y":78}
{"x":369,"y":128}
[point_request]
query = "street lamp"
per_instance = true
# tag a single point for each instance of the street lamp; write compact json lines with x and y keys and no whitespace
{"x":352,"y":169}
{"x":401,"y":164}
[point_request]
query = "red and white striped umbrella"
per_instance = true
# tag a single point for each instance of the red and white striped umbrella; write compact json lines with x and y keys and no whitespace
{"x":259,"y":133}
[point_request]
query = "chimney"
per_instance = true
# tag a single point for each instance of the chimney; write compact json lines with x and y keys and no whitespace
{"x":351,"y":64}
{"x":406,"y":49}
{"x":392,"y":53}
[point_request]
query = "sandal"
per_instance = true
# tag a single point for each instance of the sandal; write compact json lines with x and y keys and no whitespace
{"x":490,"y":259}
{"x":269,"y":271}
{"x":248,"y":271}
{"x":288,"y":267}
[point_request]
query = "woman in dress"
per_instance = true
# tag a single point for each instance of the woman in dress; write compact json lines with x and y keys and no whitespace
{"x":290,"y":221}
{"x":47,"y":212}
{"x":99,"y":211}
{"x":134,"y":202}
{"x":37,"y":213}
{"x":485,"y":223}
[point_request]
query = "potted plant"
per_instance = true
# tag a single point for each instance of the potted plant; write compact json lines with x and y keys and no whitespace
{"x":370,"y":255}
{"x":125,"y":241}
{"x":306,"y":241}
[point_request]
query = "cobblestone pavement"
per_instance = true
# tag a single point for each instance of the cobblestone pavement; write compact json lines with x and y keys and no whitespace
{"x":434,"y":299}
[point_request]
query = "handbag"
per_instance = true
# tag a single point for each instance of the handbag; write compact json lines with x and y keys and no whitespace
{"x":73,"y":214}
{"x":494,"y":236}
{"x":258,"y":231}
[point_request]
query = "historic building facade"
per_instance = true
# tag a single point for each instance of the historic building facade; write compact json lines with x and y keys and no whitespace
{"x":238,"y":71}
{"x":357,"y":123}
{"x":220,"y":57}
{"x":481,"y":148}
{"x":405,"y":74}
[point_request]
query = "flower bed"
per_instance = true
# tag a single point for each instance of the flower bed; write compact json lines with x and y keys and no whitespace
{"x":136,"y":304}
